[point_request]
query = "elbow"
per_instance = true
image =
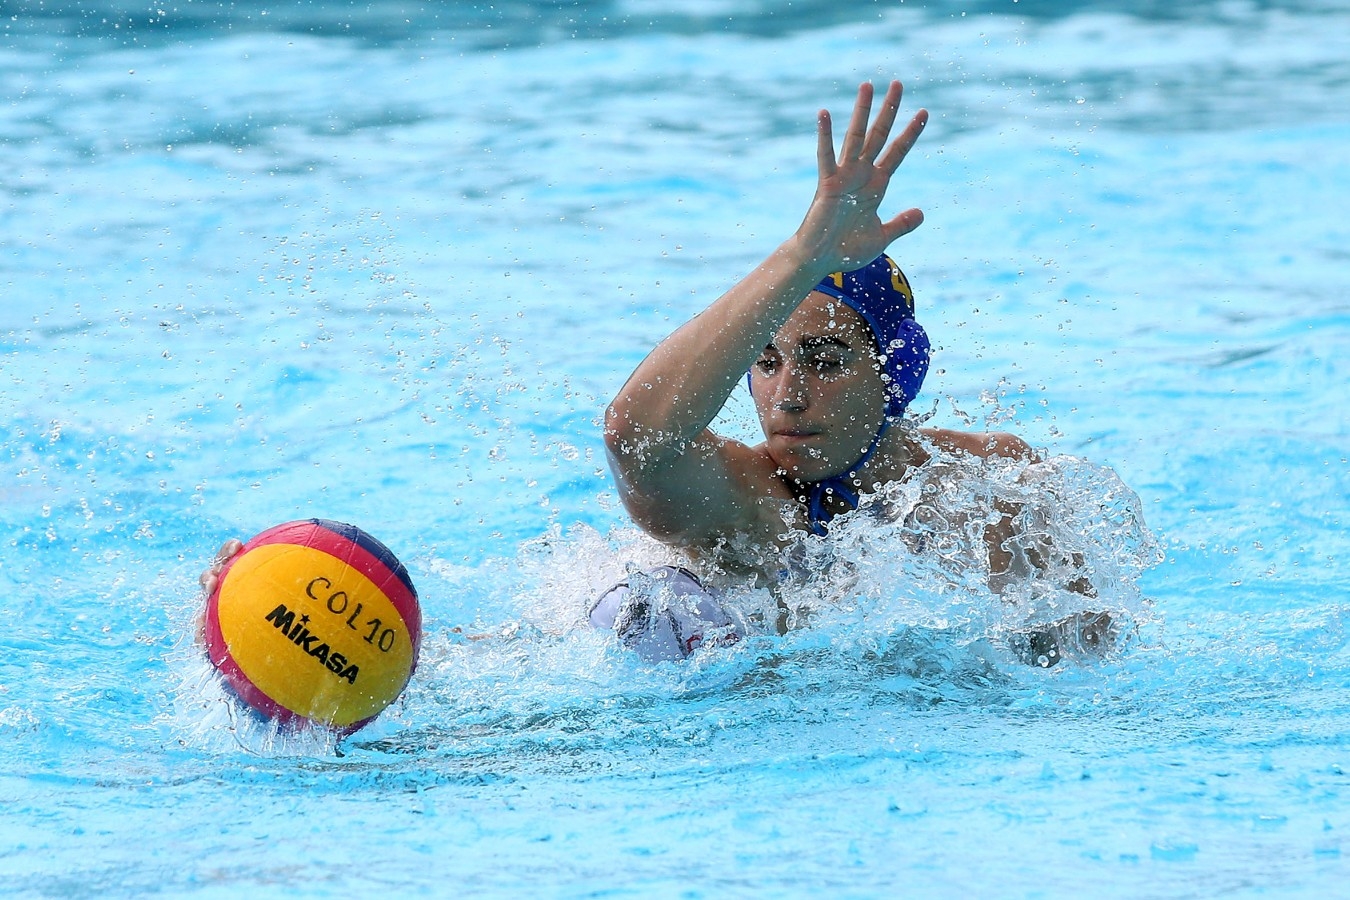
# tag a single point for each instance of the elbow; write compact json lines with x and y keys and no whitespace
{"x":634,"y":442}
{"x":628,"y":444}
{"x":621,"y":433}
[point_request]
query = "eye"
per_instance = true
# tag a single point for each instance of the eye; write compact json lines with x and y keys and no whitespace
{"x":828,"y":365}
{"x":766,"y":365}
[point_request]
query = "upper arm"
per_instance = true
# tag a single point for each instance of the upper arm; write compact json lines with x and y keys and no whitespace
{"x":985,"y":445}
{"x":702,"y":491}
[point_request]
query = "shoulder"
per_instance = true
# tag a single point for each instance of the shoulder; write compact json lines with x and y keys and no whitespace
{"x":755,"y":480}
{"x":986,"y":445}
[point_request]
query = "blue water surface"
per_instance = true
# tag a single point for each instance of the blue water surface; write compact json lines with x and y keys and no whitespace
{"x":386,"y":262}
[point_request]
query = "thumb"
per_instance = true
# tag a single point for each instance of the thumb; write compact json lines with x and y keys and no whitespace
{"x":902,"y":224}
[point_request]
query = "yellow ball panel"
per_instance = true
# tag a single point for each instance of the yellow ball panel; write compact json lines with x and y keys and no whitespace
{"x":314,"y":634}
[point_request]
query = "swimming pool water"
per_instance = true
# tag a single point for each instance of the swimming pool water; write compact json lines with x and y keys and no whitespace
{"x":386,"y":263}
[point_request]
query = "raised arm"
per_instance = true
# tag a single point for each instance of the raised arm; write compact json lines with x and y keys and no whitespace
{"x":676,"y":478}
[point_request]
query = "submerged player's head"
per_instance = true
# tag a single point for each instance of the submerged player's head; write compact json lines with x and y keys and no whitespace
{"x":848,"y":360}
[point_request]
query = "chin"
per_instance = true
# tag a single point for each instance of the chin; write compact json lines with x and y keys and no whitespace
{"x":803,"y":467}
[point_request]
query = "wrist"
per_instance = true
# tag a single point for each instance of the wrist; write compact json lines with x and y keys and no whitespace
{"x":807,"y":260}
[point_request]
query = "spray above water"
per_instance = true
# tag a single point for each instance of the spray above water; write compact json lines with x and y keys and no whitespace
{"x":913,"y":556}
{"x":915,"y":552}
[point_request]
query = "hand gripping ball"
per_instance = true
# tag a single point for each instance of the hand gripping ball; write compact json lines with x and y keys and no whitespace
{"x":315,"y":621}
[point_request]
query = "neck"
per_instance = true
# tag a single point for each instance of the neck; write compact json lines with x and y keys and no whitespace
{"x":885,"y":459}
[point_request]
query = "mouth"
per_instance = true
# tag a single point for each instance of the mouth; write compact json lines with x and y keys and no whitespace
{"x":796,"y":449}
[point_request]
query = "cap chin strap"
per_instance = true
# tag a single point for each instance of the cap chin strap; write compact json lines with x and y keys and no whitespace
{"x":817,"y":515}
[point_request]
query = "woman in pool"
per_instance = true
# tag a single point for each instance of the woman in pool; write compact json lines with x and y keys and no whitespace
{"x":825,"y":326}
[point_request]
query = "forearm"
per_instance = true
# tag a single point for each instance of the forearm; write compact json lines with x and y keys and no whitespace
{"x":679,"y":388}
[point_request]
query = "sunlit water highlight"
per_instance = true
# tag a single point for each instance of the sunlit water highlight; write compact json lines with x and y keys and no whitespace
{"x":387,"y":264}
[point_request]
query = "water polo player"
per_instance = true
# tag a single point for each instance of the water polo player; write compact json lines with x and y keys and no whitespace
{"x":826,"y":328}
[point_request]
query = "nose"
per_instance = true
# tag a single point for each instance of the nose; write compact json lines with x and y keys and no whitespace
{"x":789,"y":390}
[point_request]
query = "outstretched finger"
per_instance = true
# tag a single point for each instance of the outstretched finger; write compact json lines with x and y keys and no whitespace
{"x":856,"y":136}
{"x":881,"y":128}
{"x":825,"y":145}
{"x":903,"y":143}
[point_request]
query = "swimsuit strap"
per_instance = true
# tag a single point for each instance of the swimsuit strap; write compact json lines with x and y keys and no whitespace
{"x":817,"y":514}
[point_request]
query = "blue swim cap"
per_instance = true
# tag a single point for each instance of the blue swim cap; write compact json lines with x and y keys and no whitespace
{"x":880,"y":293}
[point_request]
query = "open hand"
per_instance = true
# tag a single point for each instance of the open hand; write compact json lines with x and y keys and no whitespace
{"x":1079,"y":635}
{"x":842,"y":229}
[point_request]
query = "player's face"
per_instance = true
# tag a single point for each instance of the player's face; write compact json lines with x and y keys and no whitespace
{"x":818,"y":390}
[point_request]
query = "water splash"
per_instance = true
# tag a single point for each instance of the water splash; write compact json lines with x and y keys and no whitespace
{"x":915,"y":555}
{"x":898,"y":605}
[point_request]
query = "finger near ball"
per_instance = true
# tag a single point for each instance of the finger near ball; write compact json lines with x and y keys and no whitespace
{"x":228,"y":550}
